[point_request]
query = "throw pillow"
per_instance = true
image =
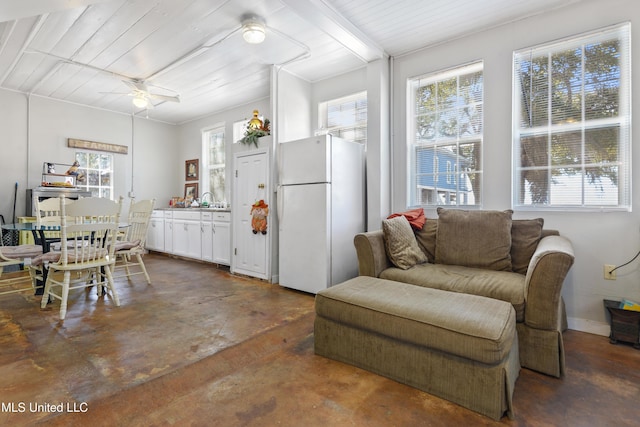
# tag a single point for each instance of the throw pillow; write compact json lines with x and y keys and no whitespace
{"x":479,"y":239}
{"x":415,"y":217}
{"x":400,"y":243}
{"x":525,"y":236}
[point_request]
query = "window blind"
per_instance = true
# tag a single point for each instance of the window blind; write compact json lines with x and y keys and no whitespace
{"x":572,"y":123}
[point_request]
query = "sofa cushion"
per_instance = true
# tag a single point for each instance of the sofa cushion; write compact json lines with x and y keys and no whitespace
{"x":468,"y":326}
{"x":525,"y":236}
{"x":479,"y":239}
{"x":426,"y":238}
{"x":501,"y":285}
{"x":400,"y":243}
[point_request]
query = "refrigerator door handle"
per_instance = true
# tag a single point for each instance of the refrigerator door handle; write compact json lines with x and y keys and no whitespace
{"x":280,"y":203}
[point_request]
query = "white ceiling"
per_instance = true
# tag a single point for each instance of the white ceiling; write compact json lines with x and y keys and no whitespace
{"x":76,"y":50}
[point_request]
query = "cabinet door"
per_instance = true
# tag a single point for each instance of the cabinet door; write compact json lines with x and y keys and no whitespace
{"x":155,"y":234}
{"x":207,"y":240}
{"x":187,"y":238}
{"x":222,"y":243}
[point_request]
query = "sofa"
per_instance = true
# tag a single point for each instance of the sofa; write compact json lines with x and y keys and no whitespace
{"x":483,"y":253}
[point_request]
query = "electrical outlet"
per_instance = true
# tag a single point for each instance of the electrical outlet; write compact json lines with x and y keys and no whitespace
{"x":608,"y":274}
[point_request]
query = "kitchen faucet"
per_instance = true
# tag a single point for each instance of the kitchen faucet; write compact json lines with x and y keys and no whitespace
{"x":202,"y":201}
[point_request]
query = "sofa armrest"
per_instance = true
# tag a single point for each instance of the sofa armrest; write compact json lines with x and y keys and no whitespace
{"x":372,"y":256}
{"x":547,"y":270}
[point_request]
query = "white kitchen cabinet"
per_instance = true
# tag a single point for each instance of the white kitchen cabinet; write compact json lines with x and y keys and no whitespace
{"x":187,"y":235}
{"x":222,"y":238}
{"x":155,"y":232}
{"x":216,"y":237}
{"x":206,"y":228}
{"x":192,"y":233}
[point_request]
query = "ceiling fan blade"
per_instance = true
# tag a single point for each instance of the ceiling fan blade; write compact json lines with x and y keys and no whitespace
{"x":136,"y":85}
{"x":164,"y":97}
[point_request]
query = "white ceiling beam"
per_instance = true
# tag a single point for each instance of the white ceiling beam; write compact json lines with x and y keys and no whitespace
{"x":322,"y":15}
{"x":17,"y":9}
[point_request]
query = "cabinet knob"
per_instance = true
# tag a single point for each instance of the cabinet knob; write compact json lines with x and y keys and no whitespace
{"x":261,"y":186}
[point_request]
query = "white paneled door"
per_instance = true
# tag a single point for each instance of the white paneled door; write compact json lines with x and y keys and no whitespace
{"x":250,"y":251}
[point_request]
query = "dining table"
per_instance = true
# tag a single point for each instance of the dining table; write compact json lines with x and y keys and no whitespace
{"x":39,"y":232}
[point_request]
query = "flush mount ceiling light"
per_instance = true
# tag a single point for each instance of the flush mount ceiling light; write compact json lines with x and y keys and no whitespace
{"x":140,"y":101}
{"x":253,"y":30}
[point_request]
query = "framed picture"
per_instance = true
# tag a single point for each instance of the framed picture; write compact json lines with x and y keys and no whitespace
{"x":191,"y":191}
{"x":191,"y":170}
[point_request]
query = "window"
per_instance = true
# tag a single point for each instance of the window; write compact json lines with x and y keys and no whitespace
{"x":95,"y":173}
{"x":345,"y":117}
{"x":445,"y":137}
{"x":240,"y":128}
{"x":213,"y":167}
{"x":572,"y":123}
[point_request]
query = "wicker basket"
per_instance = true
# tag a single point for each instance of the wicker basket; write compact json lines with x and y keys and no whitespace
{"x":625,"y":324}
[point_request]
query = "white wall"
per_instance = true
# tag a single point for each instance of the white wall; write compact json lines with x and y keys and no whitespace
{"x":35,"y":130}
{"x":13,"y":152}
{"x":598,"y":238}
{"x":293,"y":96}
{"x":156,"y":173}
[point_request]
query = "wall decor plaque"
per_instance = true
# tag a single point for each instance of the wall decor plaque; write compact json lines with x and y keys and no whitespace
{"x":97,"y":146}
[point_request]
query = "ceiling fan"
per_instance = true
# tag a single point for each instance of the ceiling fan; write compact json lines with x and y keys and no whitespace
{"x":143,"y":96}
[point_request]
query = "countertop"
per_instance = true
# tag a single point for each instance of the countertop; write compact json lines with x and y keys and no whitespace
{"x":196,"y":209}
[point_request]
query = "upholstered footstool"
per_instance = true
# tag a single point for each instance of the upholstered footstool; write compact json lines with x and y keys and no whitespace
{"x":460,"y":347}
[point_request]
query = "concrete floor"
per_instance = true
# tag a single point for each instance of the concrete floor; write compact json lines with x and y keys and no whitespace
{"x":202,"y":347}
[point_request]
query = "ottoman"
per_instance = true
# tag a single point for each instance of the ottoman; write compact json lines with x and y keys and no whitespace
{"x":460,"y":347}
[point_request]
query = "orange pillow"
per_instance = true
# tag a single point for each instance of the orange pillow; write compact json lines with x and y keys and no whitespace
{"x":415,"y":217}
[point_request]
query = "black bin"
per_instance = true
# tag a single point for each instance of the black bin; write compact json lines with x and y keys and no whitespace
{"x":625,"y":324}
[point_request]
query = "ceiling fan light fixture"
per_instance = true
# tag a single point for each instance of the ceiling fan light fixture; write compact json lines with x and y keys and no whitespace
{"x":253,"y":30}
{"x":140,"y":101}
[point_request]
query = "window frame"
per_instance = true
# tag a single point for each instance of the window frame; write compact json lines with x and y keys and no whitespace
{"x":622,"y":123}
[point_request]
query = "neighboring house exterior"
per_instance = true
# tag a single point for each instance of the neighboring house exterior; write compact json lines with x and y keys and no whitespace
{"x":439,"y":180}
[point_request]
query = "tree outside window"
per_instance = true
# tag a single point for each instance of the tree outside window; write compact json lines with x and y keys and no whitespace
{"x":572,"y":123}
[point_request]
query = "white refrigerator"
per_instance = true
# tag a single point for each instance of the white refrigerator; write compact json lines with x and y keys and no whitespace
{"x":321,"y":207}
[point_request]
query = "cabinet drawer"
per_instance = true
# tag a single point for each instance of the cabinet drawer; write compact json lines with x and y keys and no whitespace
{"x":157,"y":214}
{"x":189,"y":215}
{"x":168,"y":214}
{"x":222,"y":216}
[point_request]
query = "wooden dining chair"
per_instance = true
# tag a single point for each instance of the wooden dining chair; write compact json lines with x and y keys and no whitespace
{"x":17,"y":256}
{"x":133,"y":244}
{"x":88,"y":232}
{"x":48,"y":213}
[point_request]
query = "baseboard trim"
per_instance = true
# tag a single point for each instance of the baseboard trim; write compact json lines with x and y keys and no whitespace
{"x":590,"y":326}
